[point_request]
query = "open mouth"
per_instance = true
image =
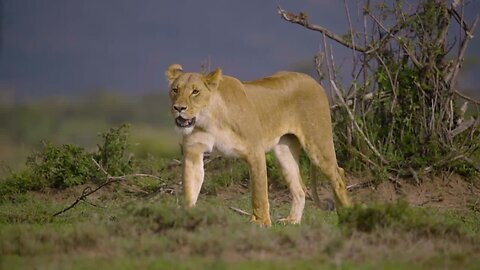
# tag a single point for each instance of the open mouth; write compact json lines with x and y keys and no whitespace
{"x":184,"y":123}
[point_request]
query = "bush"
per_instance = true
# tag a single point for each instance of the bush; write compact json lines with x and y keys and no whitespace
{"x":61,"y":166}
{"x":111,"y":154}
{"x":402,"y":114}
{"x":19,"y":182}
{"x":69,"y":165}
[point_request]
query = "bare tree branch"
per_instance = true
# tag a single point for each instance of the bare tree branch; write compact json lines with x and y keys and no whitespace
{"x":359,"y":129}
{"x":301,"y":19}
{"x":451,"y":78}
{"x":410,"y":54}
{"x":466,"y":97}
{"x":454,"y":13}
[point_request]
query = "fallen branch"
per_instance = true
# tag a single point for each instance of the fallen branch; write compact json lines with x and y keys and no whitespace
{"x":85,"y":193}
{"x":414,"y":175}
{"x":353,"y":187}
{"x":239,"y":211}
{"x":109,"y":180}
{"x":462,"y":127}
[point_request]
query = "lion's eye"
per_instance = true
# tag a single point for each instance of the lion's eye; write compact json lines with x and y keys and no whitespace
{"x":195,"y":92}
{"x":174,"y":90}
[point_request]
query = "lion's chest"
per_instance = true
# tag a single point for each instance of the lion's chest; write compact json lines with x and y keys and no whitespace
{"x":222,"y":139}
{"x":227,"y":144}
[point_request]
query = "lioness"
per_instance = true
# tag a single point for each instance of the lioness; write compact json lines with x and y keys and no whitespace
{"x":281,"y":113}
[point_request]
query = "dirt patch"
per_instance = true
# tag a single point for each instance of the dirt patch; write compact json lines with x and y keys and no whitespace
{"x":449,"y":191}
{"x":70,"y":194}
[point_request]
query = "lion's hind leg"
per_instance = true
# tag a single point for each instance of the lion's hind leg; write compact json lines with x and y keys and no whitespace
{"x":322,"y":154}
{"x":287,"y":152}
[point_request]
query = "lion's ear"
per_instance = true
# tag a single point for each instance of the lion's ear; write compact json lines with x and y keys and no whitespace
{"x":173,"y":71}
{"x":214,"y":78}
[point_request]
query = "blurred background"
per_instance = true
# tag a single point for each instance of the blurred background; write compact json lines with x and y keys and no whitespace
{"x":71,"y":69}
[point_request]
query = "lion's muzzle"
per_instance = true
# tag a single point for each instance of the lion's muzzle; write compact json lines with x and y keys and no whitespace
{"x":184,"y":123}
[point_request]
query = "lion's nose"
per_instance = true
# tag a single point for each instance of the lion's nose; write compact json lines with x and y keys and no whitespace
{"x":179,"y":108}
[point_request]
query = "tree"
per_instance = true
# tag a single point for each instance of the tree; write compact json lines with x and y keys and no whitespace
{"x":403,"y":115}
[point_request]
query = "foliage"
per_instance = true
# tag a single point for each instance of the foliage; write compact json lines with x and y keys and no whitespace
{"x":111,"y":154}
{"x":19,"y":182}
{"x":69,"y":165}
{"x":61,"y":166}
{"x":411,"y":117}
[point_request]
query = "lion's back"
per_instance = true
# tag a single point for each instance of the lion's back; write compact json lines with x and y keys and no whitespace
{"x":282,"y":80}
{"x":286,"y":88}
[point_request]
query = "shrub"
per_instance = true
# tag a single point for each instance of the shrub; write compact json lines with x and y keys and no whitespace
{"x":69,"y":165}
{"x":61,"y":166}
{"x":402,"y":114}
{"x":111,"y":154}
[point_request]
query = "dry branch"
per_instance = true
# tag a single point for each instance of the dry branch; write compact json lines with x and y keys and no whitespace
{"x":462,"y":127}
{"x":359,"y":129}
{"x":351,"y":101}
{"x":301,"y":19}
{"x":239,"y":211}
{"x":467,"y":98}
{"x":407,"y":51}
{"x":361,"y":185}
{"x":454,"y":13}
{"x":109,"y":180}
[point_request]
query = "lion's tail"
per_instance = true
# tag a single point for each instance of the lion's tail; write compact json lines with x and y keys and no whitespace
{"x":313,"y":183}
{"x":327,"y":204}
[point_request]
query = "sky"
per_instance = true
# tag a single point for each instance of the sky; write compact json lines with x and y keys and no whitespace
{"x":61,"y":47}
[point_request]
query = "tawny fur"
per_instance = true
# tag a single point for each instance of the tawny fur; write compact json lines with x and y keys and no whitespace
{"x":281,"y":113}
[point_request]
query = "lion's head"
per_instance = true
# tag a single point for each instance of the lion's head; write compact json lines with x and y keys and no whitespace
{"x":189,"y":94}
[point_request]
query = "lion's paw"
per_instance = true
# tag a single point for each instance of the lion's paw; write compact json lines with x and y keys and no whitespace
{"x":261,"y":222}
{"x":288,"y":220}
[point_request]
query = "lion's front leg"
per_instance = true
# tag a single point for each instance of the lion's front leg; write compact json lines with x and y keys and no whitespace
{"x":259,"y":186}
{"x":193,"y":173}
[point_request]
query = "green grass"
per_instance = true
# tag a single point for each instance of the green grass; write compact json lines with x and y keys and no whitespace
{"x":400,"y":216}
{"x":202,"y":263}
{"x":131,"y":231}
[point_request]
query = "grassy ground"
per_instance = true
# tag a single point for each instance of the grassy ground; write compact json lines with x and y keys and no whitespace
{"x":141,"y":224}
